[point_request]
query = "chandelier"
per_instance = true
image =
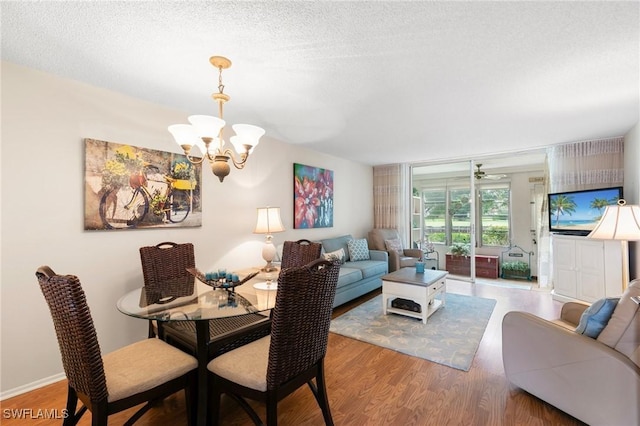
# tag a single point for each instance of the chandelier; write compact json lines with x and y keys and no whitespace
{"x":206,"y":132}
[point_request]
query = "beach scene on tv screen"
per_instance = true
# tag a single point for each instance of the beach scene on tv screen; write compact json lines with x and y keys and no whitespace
{"x":580,"y":210}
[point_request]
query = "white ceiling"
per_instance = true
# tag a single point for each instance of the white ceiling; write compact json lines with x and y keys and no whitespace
{"x":375,"y":82}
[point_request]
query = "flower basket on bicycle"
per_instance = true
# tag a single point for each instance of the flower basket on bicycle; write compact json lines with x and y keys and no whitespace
{"x":184,"y":184}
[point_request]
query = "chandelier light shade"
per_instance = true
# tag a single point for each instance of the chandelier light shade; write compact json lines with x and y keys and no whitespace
{"x":268,"y":222}
{"x":620,"y":222}
{"x":207,"y":133}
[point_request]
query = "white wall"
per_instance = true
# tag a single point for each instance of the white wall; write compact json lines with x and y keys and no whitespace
{"x":521,"y":217}
{"x":44,"y":121}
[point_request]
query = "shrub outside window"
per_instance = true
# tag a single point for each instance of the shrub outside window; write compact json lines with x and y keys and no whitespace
{"x":447,"y":213}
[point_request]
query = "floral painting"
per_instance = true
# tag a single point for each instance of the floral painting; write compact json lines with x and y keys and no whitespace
{"x":128,"y":187}
{"x":312,"y":197}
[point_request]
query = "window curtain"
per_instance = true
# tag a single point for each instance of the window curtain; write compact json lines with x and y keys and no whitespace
{"x":575,"y":167}
{"x":389,"y":197}
{"x":543,"y":237}
{"x":586,"y":165}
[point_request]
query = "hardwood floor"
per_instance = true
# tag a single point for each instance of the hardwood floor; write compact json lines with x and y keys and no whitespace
{"x":370,"y":385}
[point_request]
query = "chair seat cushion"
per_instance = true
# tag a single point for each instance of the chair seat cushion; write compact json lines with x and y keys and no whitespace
{"x":246,"y":365}
{"x":142,"y":366}
{"x":348,"y":275}
{"x":369,"y":268}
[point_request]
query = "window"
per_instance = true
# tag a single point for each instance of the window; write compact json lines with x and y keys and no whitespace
{"x":459,"y":216}
{"x":447,"y":214}
{"x":435,"y":212}
{"x":493,"y":205}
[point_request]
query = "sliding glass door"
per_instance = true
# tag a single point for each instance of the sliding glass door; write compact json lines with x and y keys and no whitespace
{"x":477,"y":208}
{"x":446,"y":215}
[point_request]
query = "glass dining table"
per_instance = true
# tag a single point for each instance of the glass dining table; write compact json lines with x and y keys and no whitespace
{"x":194,"y":300}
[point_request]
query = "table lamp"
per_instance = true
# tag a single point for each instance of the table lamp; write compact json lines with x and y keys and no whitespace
{"x":619,"y":222}
{"x":268,"y":222}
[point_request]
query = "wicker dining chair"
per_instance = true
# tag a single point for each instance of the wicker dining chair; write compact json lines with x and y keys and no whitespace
{"x":167,"y":262}
{"x":273,"y":367}
{"x":145,"y":371}
{"x":299,"y":253}
{"x":165,"y":265}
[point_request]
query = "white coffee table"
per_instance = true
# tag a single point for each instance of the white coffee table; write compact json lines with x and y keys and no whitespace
{"x":421,"y":288}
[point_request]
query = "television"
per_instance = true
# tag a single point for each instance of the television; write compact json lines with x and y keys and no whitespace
{"x":578,"y":212}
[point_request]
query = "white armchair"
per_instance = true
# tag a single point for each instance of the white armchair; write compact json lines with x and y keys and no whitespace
{"x":595,"y":380}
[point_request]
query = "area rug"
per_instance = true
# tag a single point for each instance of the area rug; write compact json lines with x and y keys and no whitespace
{"x":451,"y":336}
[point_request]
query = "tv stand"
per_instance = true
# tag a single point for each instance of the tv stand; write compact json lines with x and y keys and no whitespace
{"x":585,"y":269}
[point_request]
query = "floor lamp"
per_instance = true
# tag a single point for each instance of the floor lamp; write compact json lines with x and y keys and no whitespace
{"x":619,"y":222}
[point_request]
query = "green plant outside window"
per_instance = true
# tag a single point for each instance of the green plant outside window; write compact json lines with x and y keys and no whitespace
{"x":447,"y":215}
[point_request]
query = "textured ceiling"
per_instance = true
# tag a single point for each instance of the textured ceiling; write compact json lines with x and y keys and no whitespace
{"x":375,"y":82}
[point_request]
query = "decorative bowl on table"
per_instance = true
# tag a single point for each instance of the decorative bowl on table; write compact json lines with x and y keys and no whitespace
{"x":220,"y":279}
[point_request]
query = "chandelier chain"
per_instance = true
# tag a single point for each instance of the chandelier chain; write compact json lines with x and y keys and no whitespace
{"x":220,"y":85}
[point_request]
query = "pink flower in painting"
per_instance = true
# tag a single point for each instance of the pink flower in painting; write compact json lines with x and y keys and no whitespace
{"x":307,"y":202}
{"x":313,"y":200}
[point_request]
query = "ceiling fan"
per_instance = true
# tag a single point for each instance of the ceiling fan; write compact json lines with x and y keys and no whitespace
{"x":480,"y":174}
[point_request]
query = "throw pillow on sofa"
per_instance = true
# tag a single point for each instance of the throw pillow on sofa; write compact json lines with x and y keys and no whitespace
{"x":335,"y":255}
{"x":358,"y":249}
{"x":595,"y":318}
{"x":394,"y":245}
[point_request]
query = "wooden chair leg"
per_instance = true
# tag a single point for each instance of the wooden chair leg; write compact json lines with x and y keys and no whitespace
{"x":72,"y":418}
{"x":191,"y":399}
{"x":99,"y":414}
{"x":272,"y":411}
{"x":321,"y":395}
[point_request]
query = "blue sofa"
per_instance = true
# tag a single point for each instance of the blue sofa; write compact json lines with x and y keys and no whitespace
{"x":359,"y":277}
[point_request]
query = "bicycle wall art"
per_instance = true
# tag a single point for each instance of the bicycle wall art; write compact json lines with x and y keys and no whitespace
{"x":127,"y":187}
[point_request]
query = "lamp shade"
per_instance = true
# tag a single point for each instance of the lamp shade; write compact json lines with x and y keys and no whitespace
{"x":184,"y":134}
{"x":246,"y":134}
{"x":619,"y":222}
{"x":206,"y":126}
{"x":268,"y":221}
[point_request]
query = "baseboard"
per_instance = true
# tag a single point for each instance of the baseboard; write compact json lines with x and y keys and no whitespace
{"x":31,"y":386}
